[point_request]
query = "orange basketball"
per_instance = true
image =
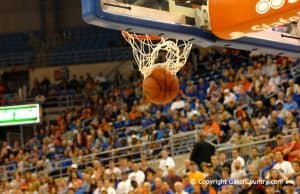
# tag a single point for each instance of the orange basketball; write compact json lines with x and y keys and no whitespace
{"x":161,"y":86}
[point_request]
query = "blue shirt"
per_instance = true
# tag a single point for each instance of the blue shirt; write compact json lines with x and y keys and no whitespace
{"x":266,"y":169}
{"x":147,"y":122}
{"x":189,"y":189}
{"x":159,"y":134}
{"x":290,"y":106}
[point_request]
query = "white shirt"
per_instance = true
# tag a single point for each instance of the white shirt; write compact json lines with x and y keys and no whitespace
{"x":230,"y":97}
{"x":111,"y":190}
{"x":242,"y":161}
{"x":164,"y":164}
{"x":182,"y":192}
{"x":138,"y":176}
{"x":238,"y":174}
{"x":115,"y":171}
{"x":177,"y":105}
{"x":285,"y":167}
{"x":97,"y":191}
{"x":124,"y":187}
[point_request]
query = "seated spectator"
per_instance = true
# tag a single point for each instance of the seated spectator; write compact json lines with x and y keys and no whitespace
{"x":137,"y":175}
{"x":212,"y":128}
{"x":290,"y":122}
{"x":289,"y":187}
{"x":223,"y":160}
{"x":229,"y":97}
{"x":172,"y":178}
{"x":166,"y":162}
{"x":75,"y":182}
{"x":147,"y":188}
{"x":280,"y":145}
{"x":267,"y":165}
{"x":99,"y":187}
{"x":109,"y":187}
{"x":293,"y":149}
{"x":225,"y":176}
{"x":179,"y":188}
{"x":188,"y":187}
{"x":112,"y":169}
{"x":124,"y":186}
{"x":157,"y":185}
{"x":195,"y":176}
{"x":285,"y":167}
{"x":212,"y":176}
{"x":254,"y":158}
{"x":236,"y":157}
{"x":293,"y":88}
{"x":290,"y":104}
{"x":214,"y":160}
{"x":296,"y":166}
{"x":165,"y":188}
{"x":237,"y":170}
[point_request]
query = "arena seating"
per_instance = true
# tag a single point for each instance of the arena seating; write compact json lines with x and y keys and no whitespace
{"x":15,"y":50}
{"x":250,"y":104}
{"x":87,"y":45}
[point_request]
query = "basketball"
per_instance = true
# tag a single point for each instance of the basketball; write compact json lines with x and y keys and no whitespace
{"x":161,"y":86}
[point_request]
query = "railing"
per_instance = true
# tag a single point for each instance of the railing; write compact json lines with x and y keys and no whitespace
{"x":23,"y":58}
{"x":177,"y":144}
{"x":244,"y":149}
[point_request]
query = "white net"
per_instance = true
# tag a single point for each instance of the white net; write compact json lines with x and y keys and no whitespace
{"x":152,"y":51}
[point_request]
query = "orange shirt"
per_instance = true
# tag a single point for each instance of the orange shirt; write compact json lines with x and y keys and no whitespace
{"x":213,"y":129}
{"x":212,"y":190}
{"x":247,"y":86}
{"x":230,"y":85}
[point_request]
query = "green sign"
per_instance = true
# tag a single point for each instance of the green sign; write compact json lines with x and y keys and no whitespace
{"x":19,"y":115}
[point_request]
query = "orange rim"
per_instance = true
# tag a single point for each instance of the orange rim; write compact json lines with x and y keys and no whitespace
{"x":141,"y":37}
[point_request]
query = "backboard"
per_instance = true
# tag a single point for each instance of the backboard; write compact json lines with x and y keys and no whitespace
{"x":187,"y":20}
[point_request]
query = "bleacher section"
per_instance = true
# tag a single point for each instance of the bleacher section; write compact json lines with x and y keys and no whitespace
{"x":89,"y":44}
{"x":76,"y":45}
{"x":14,"y":49}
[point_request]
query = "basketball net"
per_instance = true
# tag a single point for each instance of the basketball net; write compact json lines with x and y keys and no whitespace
{"x":148,"y":49}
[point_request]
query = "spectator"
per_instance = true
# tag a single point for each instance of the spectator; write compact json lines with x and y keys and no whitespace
{"x":237,"y":170}
{"x":293,"y":149}
{"x":188,"y":187}
{"x":195,"y":176}
{"x":268,"y":164}
{"x":285,"y":167}
{"x":289,"y":187}
{"x":172,"y":178}
{"x":202,"y":151}
{"x":229,"y":97}
{"x":213,"y":187}
{"x":166,"y":162}
{"x":179,"y":188}
{"x":290,"y":104}
{"x":124,"y":186}
{"x":137,"y":175}
{"x":281,"y":146}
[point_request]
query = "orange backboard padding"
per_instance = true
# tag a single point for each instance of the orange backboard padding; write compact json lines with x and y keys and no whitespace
{"x":231,"y":19}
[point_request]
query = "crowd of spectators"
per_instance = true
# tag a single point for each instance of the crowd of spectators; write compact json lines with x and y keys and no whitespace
{"x":232,"y":95}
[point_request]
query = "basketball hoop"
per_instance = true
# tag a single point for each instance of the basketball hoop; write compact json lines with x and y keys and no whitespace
{"x":148,"y":49}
